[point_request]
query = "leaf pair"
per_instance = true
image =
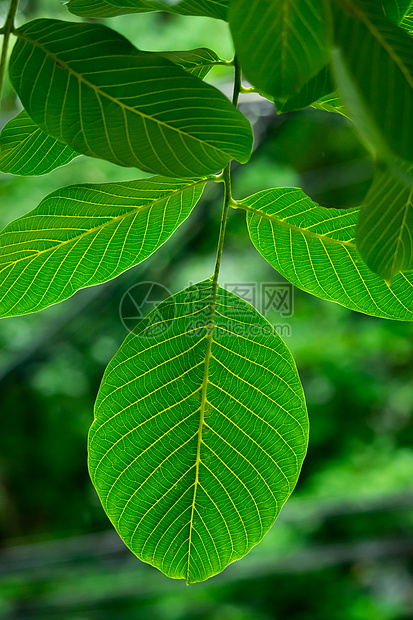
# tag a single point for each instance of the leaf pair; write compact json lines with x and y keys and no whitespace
{"x":88,"y":87}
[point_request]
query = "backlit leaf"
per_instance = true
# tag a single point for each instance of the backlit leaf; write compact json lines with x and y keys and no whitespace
{"x":87,"y":234}
{"x":379,"y":101}
{"x":110,"y":8}
{"x":26,"y":149}
{"x":407,"y":21}
{"x":280,"y":45}
{"x":384,"y":233}
{"x":87,"y":86}
{"x":200,"y":431}
{"x":314,"y":248}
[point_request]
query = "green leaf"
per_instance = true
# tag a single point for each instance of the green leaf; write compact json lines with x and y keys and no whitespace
{"x":200,"y":431}
{"x":379,"y":101}
{"x":87,"y":234}
{"x":384,"y":232}
{"x":395,"y":10}
{"x":318,"y":86}
{"x":86,"y":85}
{"x":198,"y":62}
{"x":407,"y":21}
{"x":26,"y":149}
{"x":280,"y":45}
{"x":331,"y":103}
{"x":110,"y":8}
{"x":314,"y":248}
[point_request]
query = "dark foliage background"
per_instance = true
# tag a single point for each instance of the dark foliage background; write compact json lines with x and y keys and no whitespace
{"x":343,"y":545}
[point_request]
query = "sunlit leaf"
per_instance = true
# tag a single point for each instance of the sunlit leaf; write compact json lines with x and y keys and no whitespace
{"x":378,"y":96}
{"x":200,"y":431}
{"x":87,"y":86}
{"x":384,"y":233}
{"x":26,"y":149}
{"x":110,"y":8}
{"x":280,"y":45}
{"x":87,"y":234}
{"x":314,"y":248}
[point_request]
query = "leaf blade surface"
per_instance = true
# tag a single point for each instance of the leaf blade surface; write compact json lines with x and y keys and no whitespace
{"x":87,"y":234}
{"x":314,"y":248}
{"x":384,"y":232}
{"x":194,"y":449}
{"x":27,"y":150}
{"x":280,"y":45}
{"x":89,"y":87}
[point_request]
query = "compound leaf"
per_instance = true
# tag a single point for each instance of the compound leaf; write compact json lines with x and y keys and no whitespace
{"x":314,"y":248}
{"x":380,"y":101}
{"x":280,"y":45}
{"x":199,"y":434}
{"x":86,"y":85}
{"x":111,"y":8}
{"x":384,"y":232}
{"x":87,"y":234}
{"x":25,"y":149}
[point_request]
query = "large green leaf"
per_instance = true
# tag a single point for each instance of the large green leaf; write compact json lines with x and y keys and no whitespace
{"x":374,"y":70}
{"x":86,"y":85}
{"x":280,"y":45}
{"x":314,"y":248}
{"x":110,"y":8}
{"x":27,"y":150}
{"x":87,"y":234}
{"x":384,"y":233}
{"x":200,"y":431}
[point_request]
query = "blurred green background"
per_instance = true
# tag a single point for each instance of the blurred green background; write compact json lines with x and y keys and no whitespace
{"x":342,"y":548}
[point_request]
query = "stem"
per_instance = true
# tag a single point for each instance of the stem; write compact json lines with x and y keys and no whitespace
{"x":226,"y":177}
{"x":6,"y":31}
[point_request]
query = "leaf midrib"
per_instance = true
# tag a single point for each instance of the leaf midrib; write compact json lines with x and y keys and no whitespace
{"x":95,"y":228}
{"x":100,"y":92}
{"x":205,"y":381}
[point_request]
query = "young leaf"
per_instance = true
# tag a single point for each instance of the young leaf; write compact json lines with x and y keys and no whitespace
{"x":200,"y":432}
{"x":110,"y":8}
{"x":384,"y":232}
{"x":27,"y":150}
{"x":198,"y":62}
{"x":379,"y":101}
{"x":314,"y":248}
{"x":280,"y":45}
{"x":87,"y":234}
{"x":87,"y":86}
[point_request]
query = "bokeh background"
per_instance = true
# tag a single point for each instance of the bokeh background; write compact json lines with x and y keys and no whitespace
{"x":342,"y":548}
